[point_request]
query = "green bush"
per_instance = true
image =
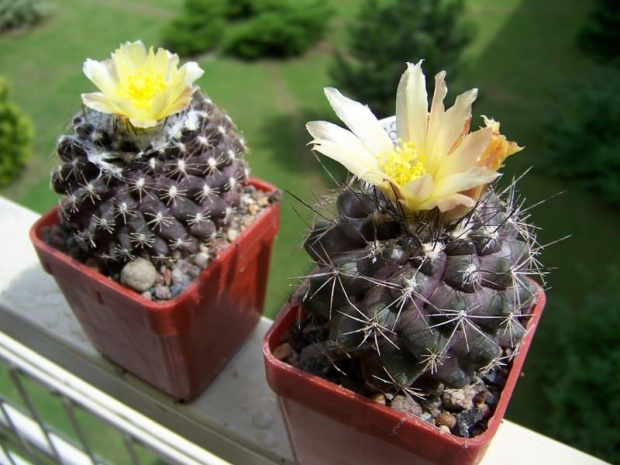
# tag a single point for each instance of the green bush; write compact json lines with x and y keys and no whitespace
{"x":582,"y":138}
{"x":581,"y":377}
{"x":240,"y":9}
{"x":600,"y":37}
{"x":385,"y":35}
{"x":20,"y":13}
{"x":15,"y":137}
{"x":280,"y":29}
{"x":200,"y":27}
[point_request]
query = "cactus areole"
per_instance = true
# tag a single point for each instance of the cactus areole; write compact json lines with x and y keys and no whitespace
{"x":421,"y":286}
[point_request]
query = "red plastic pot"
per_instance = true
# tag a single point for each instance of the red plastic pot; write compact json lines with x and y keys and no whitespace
{"x":328,"y":424}
{"x":179,"y":345}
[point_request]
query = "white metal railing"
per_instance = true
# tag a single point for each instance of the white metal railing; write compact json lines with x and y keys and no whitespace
{"x":28,"y":435}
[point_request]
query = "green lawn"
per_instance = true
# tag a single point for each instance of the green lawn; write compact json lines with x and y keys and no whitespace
{"x":523,"y":60}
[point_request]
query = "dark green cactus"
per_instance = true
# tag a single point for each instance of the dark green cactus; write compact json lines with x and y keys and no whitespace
{"x":422,"y":300}
{"x":133,"y":192}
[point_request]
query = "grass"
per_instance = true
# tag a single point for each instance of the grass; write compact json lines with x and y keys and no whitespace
{"x":522,"y":59}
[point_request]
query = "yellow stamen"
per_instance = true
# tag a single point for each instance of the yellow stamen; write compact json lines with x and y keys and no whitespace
{"x":404,"y":164}
{"x":141,"y":87}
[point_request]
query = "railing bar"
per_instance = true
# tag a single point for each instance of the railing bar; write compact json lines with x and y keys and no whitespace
{"x":15,"y":431}
{"x":7,"y":453}
{"x":33,"y":411}
{"x":68,"y":407}
{"x":131,"y":451}
{"x":160,"y":440}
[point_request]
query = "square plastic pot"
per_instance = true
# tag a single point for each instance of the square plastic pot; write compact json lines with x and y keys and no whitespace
{"x":181,"y":344}
{"x":328,"y":424}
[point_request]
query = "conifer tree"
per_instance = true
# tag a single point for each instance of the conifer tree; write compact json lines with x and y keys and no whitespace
{"x":600,"y":38}
{"x":385,"y":36}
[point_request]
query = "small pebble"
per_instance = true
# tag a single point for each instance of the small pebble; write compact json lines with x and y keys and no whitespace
{"x":263,"y":201}
{"x":232,"y":234}
{"x":446,"y":419}
{"x":253,"y":209}
{"x":167,"y":276}
{"x":178,"y":277}
{"x":283,"y":351}
{"x":444,"y":428}
{"x":147,"y":295}
{"x":201,"y":259}
{"x":487,"y":412}
{"x":467,"y":420}
{"x":459,"y":399}
{"x":407,"y":405}
{"x":163,"y":293}
{"x":379,"y":398}
{"x":177,"y":288}
{"x":139,"y":274}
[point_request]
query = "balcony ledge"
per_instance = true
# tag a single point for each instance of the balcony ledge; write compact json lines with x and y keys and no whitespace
{"x":237,"y":418}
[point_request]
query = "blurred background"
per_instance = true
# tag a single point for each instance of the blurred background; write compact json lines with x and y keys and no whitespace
{"x":548,"y":71}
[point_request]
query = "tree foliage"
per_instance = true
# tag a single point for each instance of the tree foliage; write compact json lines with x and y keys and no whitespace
{"x":580,"y":377}
{"x":200,"y":27}
{"x":386,"y":35}
{"x":281,"y":29}
{"x":15,"y":137}
{"x":583,"y":140}
{"x":600,"y":37}
{"x":249,"y":29}
{"x":19,"y":13}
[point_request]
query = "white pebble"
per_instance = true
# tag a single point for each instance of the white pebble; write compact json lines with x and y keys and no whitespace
{"x":139,"y":274}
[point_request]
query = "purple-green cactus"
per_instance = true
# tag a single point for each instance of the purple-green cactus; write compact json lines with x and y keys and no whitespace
{"x":422,"y":300}
{"x":132,"y":192}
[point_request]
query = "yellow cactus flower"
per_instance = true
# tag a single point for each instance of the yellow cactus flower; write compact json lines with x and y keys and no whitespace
{"x":436,"y":161}
{"x":142,"y":87}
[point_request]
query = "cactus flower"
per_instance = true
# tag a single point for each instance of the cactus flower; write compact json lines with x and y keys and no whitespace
{"x":436,"y":162}
{"x":141,"y":86}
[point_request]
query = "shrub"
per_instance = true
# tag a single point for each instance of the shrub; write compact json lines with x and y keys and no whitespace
{"x":583,"y":141}
{"x":20,"y":13}
{"x":600,"y":37}
{"x":580,"y":377}
{"x":15,"y":137}
{"x":281,"y":29}
{"x":198,"y":29}
{"x":386,"y":35}
{"x":240,"y":9}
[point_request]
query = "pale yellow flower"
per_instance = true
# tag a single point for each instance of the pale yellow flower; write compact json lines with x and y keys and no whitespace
{"x":139,"y":85}
{"x":436,"y":161}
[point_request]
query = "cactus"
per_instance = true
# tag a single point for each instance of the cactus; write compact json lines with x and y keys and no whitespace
{"x":426,"y":299}
{"x":146,"y":182}
{"x":131,"y":193}
{"x":422,"y":268}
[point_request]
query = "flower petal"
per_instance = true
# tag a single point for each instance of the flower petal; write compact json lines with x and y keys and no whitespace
{"x":449,"y":202}
{"x":458,"y":182}
{"x":342,"y":146}
{"x":416,"y":192}
{"x":437,"y":110}
{"x":412,"y":105}
{"x":452,"y":126}
{"x":192,"y":71}
{"x":128,"y":58}
{"x":99,"y":102}
{"x":361,"y":121}
{"x":143,"y":123}
{"x":101,"y":74}
{"x":467,"y":154}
